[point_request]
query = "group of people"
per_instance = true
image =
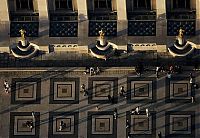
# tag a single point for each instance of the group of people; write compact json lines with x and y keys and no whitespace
{"x":29,"y":124}
{"x":6,"y":87}
{"x":111,"y":98}
{"x":62,"y":125}
{"x":92,"y":70}
{"x":172,"y":69}
{"x":192,"y":82}
{"x":136,"y":111}
{"x":84,"y":90}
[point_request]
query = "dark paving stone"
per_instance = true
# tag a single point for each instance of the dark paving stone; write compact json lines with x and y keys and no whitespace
{"x":52,"y":99}
{"x":178,"y":98}
{"x":36,"y":124}
{"x":63,"y":134}
{"x":182,"y":124}
{"x":147,"y":132}
{"x":111,"y":131}
{"x":14,"y":89}
{"x":92,"y":90}
{"x":144,"y":93}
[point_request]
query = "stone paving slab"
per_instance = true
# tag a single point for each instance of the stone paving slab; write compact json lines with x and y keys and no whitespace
{"x":18,"y":128}
{"x":64,"y":90}
{"x":71,"y":119}
{"x":101,"y":125}
{"x":141,"y":89}
{"x":180,"y":124}
{"x":178,"y":89}
{"x":99,"y":85}
{"x":26,"y":91}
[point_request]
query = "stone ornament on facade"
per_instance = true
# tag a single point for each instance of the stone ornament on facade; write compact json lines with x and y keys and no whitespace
{"x":181,"y":47}
{"x":103,"y":49}
{"x":23,"y":48}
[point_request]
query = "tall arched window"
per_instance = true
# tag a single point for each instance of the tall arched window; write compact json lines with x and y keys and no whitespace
{"x":141,"y":4}
{"x":63,"y":4}
{"x":102,"y":4}
{"x":181,"y":4}
{"x":24,"y":5}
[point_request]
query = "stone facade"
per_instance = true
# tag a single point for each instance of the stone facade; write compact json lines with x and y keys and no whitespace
{"x":81,"y":35}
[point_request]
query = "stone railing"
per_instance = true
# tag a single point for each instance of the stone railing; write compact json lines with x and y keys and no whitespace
{"x":148,"y":47}
{"x":68,"y":47}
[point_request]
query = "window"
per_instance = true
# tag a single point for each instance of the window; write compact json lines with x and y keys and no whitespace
{"x":141,"y":4}
{"x":102,"y":4}
{"x":63,"y":4}
{"x":181,"y":4}
{"x":24,"y":5}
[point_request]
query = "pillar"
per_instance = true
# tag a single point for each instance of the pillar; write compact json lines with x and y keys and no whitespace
{"x":82,"y":22}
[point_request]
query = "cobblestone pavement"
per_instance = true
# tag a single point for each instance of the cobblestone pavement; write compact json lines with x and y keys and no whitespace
{"x":55,"y":95}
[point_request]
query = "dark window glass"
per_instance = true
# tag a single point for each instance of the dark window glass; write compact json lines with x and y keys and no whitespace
{"x":102,"y":4}
{"x":141,"y":4}
{"x":63,"y":4}
{"x":24,"y":4}
{"x":182,"y":4}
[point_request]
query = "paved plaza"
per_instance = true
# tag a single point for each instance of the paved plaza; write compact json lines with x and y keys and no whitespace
{"x":56,"y":96}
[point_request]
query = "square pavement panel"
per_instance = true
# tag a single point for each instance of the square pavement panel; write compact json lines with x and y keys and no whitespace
{"x":178,"y":89}
{"x":64,"y":91}
{"x":101,"y":124}
{"x":141,"y":125}
{"x":141,"y":89}
{"x":18,"y":127}
{"x":70,"y":121}
{"x":180,"y":124}
{"x":100,"y":87}
{"x":26,"y":91}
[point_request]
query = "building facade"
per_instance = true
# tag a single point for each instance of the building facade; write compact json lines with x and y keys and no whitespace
{"x":49,"y":22}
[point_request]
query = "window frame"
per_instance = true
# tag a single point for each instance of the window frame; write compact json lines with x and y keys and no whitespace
{"x":176,"y":4}
{"x":107,"y":8}
{"x":67,"y":8}
{"x":146,"y":7}
{"x":29,"y":7}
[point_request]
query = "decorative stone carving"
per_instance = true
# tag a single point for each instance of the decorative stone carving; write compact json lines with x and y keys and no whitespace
{"x":24,"y":49}
{"x":103,"y":49}
{"x":181,"y":47}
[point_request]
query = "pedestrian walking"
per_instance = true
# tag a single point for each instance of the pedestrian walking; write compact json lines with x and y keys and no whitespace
{"x":159,"y":135}
{"x":129,"y":135}
{"x":83,"y":86}
{"x":33,"y":114}
{"x":157,"y":71}
{"x":122,"y":91}
{"x":147,"y":112}
{"x":61,"y":125}
{"x":171,"y":69}
{"x":91,"y":71}
{"x":169,"y":75}
{"x":127,"y":124}
{"x":85,"y":93}
{"x":112,"y":99}
{"x":6,"y":87}
{"x":137,"y":110}
{"x":192,"y":99}
{"x":109,"y":97}
{"x":115,"y":113}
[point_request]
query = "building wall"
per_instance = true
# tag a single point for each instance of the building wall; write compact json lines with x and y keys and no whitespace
{"x":121,"y":39}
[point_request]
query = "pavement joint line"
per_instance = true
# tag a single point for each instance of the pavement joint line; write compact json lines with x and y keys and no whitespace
{"x":57,"y":70}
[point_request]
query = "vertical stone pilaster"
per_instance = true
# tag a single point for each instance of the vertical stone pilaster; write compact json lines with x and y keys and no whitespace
{"x":43,"y":18}
{"x":82,"y":22}
{"x":122,"y":24}
{"x":161,"y":24}
{"x":4,"y":20}
{"x":198,"y":20}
